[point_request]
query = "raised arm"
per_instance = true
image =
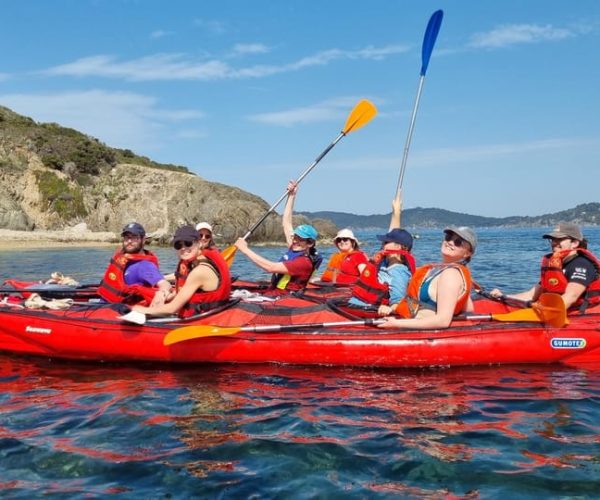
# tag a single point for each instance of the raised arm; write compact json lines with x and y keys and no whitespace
{"x":396,"y":211}
{"x":288,"y":211}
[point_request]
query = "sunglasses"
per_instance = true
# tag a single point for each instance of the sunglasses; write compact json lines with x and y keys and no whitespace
{"x":340,"y":240}
{"x":297,"y":238}
{"x":454,"y":238}
{"x":178,"y":245}
{"x":205,"y":236}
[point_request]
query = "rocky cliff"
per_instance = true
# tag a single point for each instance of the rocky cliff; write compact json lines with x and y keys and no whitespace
{"x":52,"y":177}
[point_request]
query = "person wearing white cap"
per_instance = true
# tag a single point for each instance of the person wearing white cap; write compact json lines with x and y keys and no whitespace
{"x":296,"y":266}
{"x":205,"y":231}
{"x":570,"y":270}
{"x":343,"y":266}
{"x":437,"y":292}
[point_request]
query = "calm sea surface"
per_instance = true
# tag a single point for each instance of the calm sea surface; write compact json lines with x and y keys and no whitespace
{"x":75,"y":430}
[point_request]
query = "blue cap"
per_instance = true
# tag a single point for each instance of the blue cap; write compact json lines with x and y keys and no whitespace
{"x":135,"y":229}
{"x":397,"y":235}
{"x":307,"y":232}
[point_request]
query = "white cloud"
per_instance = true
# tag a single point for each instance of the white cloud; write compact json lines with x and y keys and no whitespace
{"x":160,"y":33}
{"x":120,"y":119}
{"x":250,"y":48}
{"x":513,"y":34}
{"x":177,"y":67}
{"x":334,"y":109}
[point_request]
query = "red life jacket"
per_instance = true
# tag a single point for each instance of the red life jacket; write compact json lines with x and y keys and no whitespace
{"x":553,"y":279}
{"x":343,"y":267}
{"x":113,"y":287}
{"x":409,"y":306}
{"x":201,"y":300}
{"x":368,"y":288}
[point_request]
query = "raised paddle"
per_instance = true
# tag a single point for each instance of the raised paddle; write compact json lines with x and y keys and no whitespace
{"x":431,"y":33}
{"x":362,"y":114}
{"x":548,"y":311}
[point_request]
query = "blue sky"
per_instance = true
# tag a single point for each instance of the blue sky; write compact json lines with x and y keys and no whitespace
{"x":248,"y":93}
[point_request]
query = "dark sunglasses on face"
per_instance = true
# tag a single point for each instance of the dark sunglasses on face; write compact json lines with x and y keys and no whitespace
{"x":178,"y":245}
{"x":340,"y":240}
{"x":454,"y":238}
{"x":204,"y":236}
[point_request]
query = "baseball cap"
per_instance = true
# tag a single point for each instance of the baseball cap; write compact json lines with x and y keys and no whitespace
{"x":307,"y":232}
{"x":204,"y":225}
{"x":186,"y":233}
{"x":397,"y":235}
{"x":345,"y":233}
{"x":466,"y":233}
{"x":134,"y":228}
{"x":566,"y":230}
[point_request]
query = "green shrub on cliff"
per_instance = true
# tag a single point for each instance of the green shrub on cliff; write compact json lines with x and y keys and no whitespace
{"x":59,"y":197}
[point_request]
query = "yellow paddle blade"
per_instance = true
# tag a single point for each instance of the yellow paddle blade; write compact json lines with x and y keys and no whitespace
{"x":362,"y":114}
{"x":229,"y":254}
{"x":518,"y":315}
{"x":196,"y":332}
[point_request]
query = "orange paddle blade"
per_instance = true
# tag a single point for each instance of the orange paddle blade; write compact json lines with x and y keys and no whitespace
{"x":196,"y":332}
{"x":362,"y":114}
{"x":551,"y":309}
{"x":229,"y":254}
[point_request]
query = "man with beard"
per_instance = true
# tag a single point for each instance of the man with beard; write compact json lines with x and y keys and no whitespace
{"x":133,"y":275}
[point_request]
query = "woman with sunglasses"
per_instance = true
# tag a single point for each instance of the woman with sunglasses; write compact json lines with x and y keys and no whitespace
{"x":343,"y":266}
{"x":296,"y":266}
{"x":202,"y":278}
{"x":437,"y":292}
{"x":205,"y":232}
{"x":570,"y":269}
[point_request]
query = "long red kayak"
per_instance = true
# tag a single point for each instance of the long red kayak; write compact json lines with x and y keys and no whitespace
{"x":311,"y":333}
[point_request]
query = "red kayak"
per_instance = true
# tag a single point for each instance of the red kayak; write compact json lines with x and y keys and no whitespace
{"x":296,"y":330}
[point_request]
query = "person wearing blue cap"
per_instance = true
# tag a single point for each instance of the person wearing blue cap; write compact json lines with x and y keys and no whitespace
{"x":133,"y":275}
{"x":296,"y":266}
{"x":383,"y":280}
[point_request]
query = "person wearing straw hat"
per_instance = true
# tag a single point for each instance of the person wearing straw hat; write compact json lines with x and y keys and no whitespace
{"x":570,"y":270}
{"x":344,"y":265}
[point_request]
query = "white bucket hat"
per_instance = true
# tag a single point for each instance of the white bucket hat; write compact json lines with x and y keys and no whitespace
{"x":345,"y":233}
{"x":204,"y":225}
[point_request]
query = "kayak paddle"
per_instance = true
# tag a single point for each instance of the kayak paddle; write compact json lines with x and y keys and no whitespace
{"x":550,"y":310}
{"x":431,"y":33}
{"x":362,"y":114}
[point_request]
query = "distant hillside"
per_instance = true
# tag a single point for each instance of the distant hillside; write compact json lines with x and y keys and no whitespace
{"x":587,"y":214}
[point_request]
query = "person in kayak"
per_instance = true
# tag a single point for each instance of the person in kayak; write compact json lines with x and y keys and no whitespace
{"x":344,"y":265}
{"x":202,"y":278}
{"x":133,"y":274}
{"x":205,"y":231}
{"x":570,"y":270}
{"x":296,"y":266}
{"x":437,"y":292}
{"x":384,"y":278}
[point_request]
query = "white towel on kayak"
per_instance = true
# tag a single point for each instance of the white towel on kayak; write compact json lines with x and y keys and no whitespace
{"x":248,"y":296}
{"x":36,"y":302}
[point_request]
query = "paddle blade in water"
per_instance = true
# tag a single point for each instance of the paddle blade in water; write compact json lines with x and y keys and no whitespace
{"x":362,"y":114}
{"x":196,"y":332}
{"x":229,"y":254}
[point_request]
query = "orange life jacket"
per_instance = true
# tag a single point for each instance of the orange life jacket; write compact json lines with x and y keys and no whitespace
{"x":553,"y":279}
{"x":113,"y":287}
{"x":368,"y":288}
{"x":342,"y":267}
{"x":409,"y":306}
{"x":201,"y":300}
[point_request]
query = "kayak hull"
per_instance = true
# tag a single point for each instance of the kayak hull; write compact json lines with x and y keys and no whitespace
{"x":97,"y":334}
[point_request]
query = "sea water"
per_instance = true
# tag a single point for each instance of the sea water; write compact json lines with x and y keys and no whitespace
{"x":74,"y":430}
